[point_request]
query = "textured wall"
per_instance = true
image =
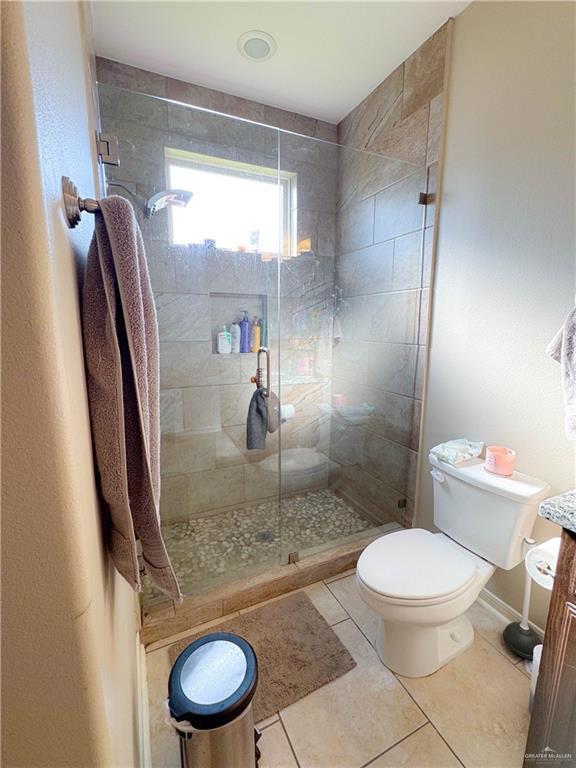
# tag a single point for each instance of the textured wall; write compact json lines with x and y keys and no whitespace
{"x":383,"y":262}
{"x":69,"y":621}
{"x":505,"y":259}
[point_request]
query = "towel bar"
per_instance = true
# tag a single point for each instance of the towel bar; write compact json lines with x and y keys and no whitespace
{"x":74,"y":204}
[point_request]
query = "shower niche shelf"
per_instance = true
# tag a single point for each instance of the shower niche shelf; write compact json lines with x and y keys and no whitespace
{"x":227,"y":308}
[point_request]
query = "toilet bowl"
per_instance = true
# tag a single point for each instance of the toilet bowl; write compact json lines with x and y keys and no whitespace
{"x":420,"y":584}
{"x":301,"y":468}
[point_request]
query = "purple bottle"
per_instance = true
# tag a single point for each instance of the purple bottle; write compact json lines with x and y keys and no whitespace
{"x":245,"y":333}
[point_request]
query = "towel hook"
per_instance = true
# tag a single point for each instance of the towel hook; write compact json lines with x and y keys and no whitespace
{"x":74,"y":204}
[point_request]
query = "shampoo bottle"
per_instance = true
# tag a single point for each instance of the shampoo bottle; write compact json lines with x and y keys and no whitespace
{"x":255,"y":335}
{"x":235,"y":333}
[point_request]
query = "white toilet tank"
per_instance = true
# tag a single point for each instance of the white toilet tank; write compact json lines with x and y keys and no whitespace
{"x":486,"y":513}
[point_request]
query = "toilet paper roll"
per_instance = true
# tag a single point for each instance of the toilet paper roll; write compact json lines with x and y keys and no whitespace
{"x":287,"y":411}
{"x":545,"y":554}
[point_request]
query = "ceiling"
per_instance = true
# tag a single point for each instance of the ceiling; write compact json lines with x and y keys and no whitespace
{"x":330,"y":55}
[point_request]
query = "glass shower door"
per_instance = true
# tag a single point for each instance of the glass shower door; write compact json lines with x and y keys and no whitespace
{"x":210,"y":263}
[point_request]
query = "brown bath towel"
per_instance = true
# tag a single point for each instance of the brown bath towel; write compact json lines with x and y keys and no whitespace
{"x":122,"y":359}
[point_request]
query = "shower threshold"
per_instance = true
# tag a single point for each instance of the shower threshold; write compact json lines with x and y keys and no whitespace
{"x":162,"y":621}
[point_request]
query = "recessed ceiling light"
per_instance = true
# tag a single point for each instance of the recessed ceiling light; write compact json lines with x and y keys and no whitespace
{"x":257,"y":45}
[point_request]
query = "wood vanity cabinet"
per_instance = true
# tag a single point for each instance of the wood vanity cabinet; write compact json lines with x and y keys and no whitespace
{"x":552,"y":734}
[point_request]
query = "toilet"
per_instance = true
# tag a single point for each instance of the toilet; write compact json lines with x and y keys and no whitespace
{"x":301,"y":468}
{"x":421,"y":584}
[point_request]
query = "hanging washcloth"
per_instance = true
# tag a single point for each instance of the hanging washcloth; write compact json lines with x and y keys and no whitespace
{"x":263,"y":417}
{"x":122,"y":366}
{"x":456,"y":451}
{"x":562,"y":348}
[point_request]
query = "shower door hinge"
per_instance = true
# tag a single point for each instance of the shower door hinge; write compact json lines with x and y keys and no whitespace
{"x":293,"y":557}
{"x":107,"y":148}
{"x":426,"y":198}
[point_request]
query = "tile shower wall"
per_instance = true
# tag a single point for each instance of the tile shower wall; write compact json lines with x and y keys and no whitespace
{"x":204,"y":397}
{"x":383,"y":265}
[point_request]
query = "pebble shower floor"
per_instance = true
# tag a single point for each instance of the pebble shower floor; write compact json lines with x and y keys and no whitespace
{"x":211,"y":550}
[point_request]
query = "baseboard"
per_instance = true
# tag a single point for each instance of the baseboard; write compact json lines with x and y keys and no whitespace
{"x":506,"y":610}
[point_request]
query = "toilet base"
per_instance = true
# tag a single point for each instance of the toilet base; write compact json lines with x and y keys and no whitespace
{"x":416,"y":651}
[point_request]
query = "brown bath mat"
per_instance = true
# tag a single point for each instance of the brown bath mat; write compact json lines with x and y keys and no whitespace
{"x":297,"y":651}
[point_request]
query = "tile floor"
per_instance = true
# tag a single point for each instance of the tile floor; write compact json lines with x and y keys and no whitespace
{"x":207,"y":551}
{"x":472,"y":713}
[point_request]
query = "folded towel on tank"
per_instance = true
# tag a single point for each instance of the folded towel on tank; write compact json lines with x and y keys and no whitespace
{"x":457,"y":451}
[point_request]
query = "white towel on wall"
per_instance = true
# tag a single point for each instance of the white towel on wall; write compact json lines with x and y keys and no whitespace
{"x":562,"y":348}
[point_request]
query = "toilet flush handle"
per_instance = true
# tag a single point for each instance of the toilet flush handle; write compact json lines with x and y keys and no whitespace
{"x":437,"y":475}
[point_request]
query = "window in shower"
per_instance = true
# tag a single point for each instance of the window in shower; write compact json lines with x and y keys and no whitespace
{"x":236,"y":205}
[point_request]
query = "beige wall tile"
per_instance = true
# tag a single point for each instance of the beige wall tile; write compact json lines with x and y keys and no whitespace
{"x":388,"y":461}
{"x":201,"y":409}
{"x":366,"y":271}
{"x":381,"y":317}
{"x":498,"y":712}
{"x":185,"y":452}
{"x":357,"y":128}
{"x":171,"y":411}
{"x":234,"y":403}
{"x":132,"y":78}
{"x":355,"y":225}
{"x":434,"y":129}
{"x":405,"y":139}
{"x":192,"y":363}
{"x":424,"y":72}
{"x":184,"y":495}
{"x":423,"y":749}
{"x":183,"y":317}
{"x":407,"y":272}
{"x":397,"y":211}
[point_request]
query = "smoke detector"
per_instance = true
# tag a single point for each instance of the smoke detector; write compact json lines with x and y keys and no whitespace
{"x":257,"y":45}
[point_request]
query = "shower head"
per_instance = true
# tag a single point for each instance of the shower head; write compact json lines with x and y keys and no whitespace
{"x":180,"y":197}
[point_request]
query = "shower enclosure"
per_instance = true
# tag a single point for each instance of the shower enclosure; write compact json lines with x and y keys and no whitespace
{"x":326,"y":249}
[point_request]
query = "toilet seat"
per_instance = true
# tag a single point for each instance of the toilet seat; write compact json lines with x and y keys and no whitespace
{"x":416,"y":567}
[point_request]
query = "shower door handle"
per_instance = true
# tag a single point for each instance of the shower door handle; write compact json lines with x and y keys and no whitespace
{"x":258,"y":378}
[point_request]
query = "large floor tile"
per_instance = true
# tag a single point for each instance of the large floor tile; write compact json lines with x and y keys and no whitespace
{"x":346,"y":592}
{"x":275,"y":749}
{"x":423,"y":749}
{"x":355,"y":718}
{"x":165,"y":748}
{"x":490,"y":624}
{"x":479,"y":703}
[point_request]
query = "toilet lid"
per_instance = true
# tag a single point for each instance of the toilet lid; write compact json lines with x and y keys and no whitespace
{"x":414,"y":565}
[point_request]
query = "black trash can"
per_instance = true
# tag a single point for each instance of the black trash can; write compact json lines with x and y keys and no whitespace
{"x":210,"y":692}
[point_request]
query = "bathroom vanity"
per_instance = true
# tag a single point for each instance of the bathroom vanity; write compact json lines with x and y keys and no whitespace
{"x":552,"y":734}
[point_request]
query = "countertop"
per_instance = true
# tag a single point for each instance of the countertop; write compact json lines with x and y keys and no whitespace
{"x":560,"y":510}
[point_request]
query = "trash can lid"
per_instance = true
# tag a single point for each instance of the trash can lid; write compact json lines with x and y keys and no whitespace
{"x":213,"y":681}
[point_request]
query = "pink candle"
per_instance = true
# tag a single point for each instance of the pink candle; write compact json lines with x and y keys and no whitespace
{"x":500,"y":460}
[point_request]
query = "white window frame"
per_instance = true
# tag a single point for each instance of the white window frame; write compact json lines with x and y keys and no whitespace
{"x":286,"y":179}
